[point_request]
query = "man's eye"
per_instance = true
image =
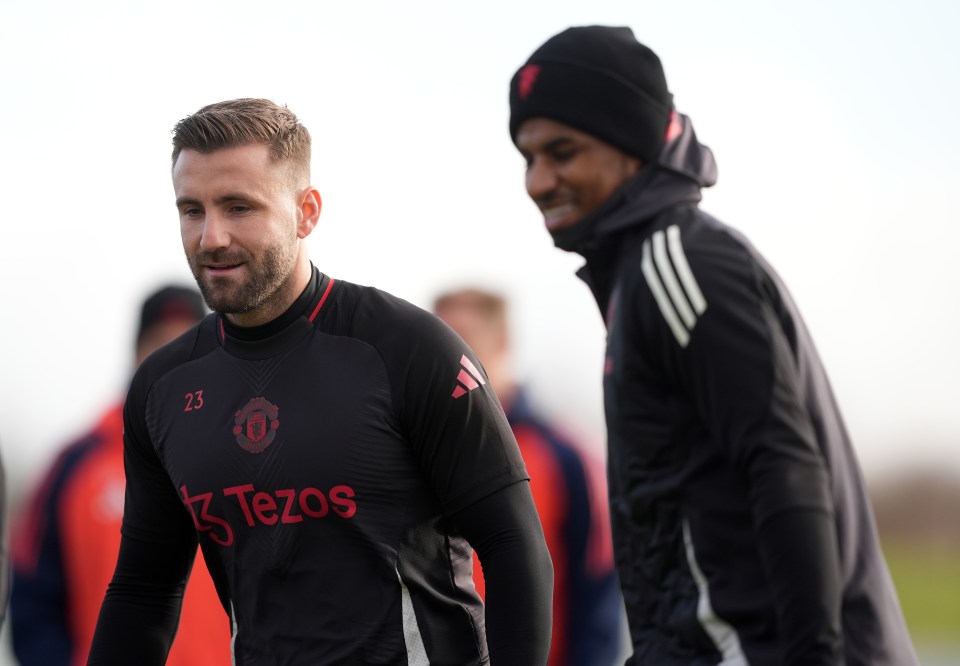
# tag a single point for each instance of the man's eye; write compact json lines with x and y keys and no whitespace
{"x":239,"y":208}
{"x":190,"y":212}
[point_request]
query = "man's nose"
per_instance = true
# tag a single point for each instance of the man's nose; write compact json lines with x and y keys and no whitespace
{"x":541,"y":179}
{"x":215,"y":233}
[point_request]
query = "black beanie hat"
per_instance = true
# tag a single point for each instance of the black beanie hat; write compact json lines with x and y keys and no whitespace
{"x":601,"y":81}
{"x":170,"y":303}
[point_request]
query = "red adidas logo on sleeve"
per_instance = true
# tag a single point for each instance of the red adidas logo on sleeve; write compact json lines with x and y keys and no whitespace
{"x":469,"y":378}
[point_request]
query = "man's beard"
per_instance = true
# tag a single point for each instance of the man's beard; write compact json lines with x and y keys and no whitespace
{"x":228,"y":297}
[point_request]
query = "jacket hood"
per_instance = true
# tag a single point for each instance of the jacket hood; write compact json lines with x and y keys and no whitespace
{"x":683,"y":168}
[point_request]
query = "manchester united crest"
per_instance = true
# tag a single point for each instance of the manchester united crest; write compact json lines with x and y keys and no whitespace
{"x":255,"y":426}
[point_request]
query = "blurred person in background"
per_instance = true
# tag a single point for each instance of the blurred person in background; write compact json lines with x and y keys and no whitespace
{"x":568,"y":487}
{"x":5,"y":572}
{"x":743,"y":533}
{"x":65,"y":544}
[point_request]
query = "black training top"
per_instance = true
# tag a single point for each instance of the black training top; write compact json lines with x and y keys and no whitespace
{"x":322,"y":459}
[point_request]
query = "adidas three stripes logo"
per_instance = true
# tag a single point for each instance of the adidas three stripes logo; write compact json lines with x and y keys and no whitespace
{"x":469,"y":378}
{"x":672,"y":283}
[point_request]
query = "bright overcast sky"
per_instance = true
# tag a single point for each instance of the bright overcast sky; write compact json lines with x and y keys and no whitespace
{"x":833,"y":123}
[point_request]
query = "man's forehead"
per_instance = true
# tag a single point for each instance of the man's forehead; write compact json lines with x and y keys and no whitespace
{"x":540,"y":131}
{"x":238,"y":155}
{"x":242,"y":163}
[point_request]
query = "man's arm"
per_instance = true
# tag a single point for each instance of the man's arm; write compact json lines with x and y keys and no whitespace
{"x":750,"y":394}
{"x":505,"y":530}
{"x":799,"y":552}
{"x":141,"y":609}
{"x":140,"y":612}
{"x":468,"y":454}
{"x":733,"y":357}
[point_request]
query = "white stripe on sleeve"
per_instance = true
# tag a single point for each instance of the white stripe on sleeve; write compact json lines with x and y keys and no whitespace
{"x":660,"y":295}
{"x":670,"y":280}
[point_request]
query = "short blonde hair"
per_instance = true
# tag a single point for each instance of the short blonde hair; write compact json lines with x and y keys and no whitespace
{"x":243,"y":122}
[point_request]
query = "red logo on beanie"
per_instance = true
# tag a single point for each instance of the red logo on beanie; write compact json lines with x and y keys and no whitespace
{"x":528,"y":76}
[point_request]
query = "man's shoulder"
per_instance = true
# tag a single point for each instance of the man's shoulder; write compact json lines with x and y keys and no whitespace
{"x":686,"y":239}
{"x":374,"y":301}
{"x":380,"y":317}
{"x":694,"y":229}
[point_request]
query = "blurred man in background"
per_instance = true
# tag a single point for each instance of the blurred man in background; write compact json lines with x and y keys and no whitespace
{"x":743,"y":533}
{"x":4,"y":547}
{"x":65,"y":546}
{"x":568,"y":488}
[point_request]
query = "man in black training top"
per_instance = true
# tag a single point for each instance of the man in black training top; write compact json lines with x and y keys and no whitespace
{"x":335,"y":450}
{"x":742,"y":530}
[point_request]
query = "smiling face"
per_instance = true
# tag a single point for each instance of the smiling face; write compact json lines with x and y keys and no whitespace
{"x":570,"y":173}
{"x":242,"y":220}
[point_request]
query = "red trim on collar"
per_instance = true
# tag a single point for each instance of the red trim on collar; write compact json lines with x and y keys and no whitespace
{"x":322,"y":299}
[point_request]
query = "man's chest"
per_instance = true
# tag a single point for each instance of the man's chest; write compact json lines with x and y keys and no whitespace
{"x":304,"y":439}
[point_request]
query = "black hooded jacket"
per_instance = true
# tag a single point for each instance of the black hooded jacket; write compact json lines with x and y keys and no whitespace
{"x":742,"y":529}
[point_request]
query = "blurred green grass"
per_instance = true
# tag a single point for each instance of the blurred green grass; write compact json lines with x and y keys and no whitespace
{"x":928,"y":584}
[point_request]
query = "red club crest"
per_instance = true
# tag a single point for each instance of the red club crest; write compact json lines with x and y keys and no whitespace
{"x":528,"y":76}
{"x":255,"y":426}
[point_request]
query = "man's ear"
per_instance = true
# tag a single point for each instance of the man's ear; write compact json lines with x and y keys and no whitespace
{"x":309,"y":207}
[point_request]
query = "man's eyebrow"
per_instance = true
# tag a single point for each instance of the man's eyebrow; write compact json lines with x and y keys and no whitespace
{"x":183,"y":201}
{"x":226,"y":198}
{"x":559,"y":142}
{"x":232,"y":196}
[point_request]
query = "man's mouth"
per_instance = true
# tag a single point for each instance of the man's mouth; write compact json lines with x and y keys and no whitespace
{"x":221,"y":268}
{"x":557,"y":213}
